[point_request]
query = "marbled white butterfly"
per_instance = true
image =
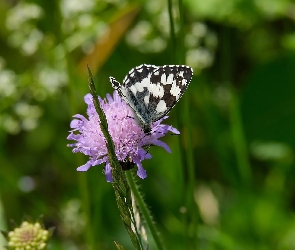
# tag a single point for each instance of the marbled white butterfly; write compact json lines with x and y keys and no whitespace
{"x":152,"y":91}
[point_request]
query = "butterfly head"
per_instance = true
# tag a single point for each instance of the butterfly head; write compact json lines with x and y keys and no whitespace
{"x":115,"y":83}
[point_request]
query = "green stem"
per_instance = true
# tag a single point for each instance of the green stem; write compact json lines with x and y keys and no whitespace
{"x":82,"y":179}
{"x":144,"y":210}
{"x":236,"y":128}
{"x":192,"y":211}
{"x":172,"y":29}
{"x":239,"y":141}
{"x":120,"y":185}
{"x":181,"y":49}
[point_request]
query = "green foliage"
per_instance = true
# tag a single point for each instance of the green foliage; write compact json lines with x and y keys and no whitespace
{"x":236,"y":120}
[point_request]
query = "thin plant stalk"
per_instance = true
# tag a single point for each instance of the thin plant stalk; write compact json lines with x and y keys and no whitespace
{"x":191,"y":215}
{"x":172,"y":29}
{"x":236,"y":127}
{"x":82,"y":179}
{"x":144,"y":210}
{"x":181,"y":48}
{"x":239,"y":141}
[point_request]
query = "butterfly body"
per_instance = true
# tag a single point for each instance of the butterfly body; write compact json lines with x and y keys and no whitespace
{"x":152,"y":91}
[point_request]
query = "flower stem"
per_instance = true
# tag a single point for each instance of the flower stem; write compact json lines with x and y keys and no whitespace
{"x":236,"y":124}
{"x":192,"y":216}
{"x":123,"y":198}
{"x":180,"y":48}
{"x":89,"y":233}
{"x":172,"y":29}
{"x":239,"y":141}
{"x":144,"y":210}
{"x":120,"y":185}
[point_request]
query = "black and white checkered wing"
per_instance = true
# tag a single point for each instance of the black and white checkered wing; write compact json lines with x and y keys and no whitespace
{"x":152,"y":91}
{"x":138,"y":74}
{"x":167,"y":85}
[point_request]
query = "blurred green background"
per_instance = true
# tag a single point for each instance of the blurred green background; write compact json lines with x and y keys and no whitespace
{"x":229,"y":182}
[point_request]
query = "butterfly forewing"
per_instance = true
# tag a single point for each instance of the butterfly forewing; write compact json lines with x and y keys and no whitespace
{"x":135,"y":90}
{"x":138,"y":74}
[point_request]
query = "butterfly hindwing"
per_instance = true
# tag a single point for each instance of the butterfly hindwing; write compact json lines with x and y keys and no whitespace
{"x":167,"y":85}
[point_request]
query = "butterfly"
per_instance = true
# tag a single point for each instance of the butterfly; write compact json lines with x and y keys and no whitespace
{"x":152,"y":91}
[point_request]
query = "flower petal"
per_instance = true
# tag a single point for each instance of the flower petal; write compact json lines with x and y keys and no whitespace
{"x":174,"y":130}
{"x":75,"y":123}
{"x":84,"y":167}
{"x":142,"y":154}
{"x":108,"y":172}
{"x":81,"y":117}
{"x":97,"y":162}
{"x":140,"y":172}
{"x":88,"y":99}
{"x":109,"y":98}
{"x":73,"y":137}
{"x":148,"y":156}
{"x":162,"y":144}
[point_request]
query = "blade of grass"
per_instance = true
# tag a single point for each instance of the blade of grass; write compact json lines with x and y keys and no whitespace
{"x":172,"y":29}
{"x":82,"y":179}
{"x":192,"y":210}
{"x":191,"y":216}
{"x":236,"y":127}
{"x":239,"y":141}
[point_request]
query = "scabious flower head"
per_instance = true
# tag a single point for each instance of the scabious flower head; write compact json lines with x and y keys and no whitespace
{"x":28,"y":236}
{"x":129,"y":139}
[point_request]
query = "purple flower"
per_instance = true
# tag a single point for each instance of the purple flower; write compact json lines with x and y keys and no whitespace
{"x":129,"y":139}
